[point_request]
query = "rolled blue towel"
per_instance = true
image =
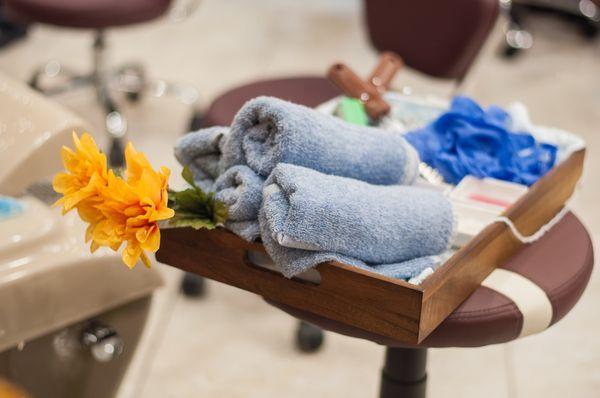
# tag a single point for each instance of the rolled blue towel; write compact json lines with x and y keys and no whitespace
{"x":308,"y":218}
{"x":201,"y":152}
{"x":241,"y":190}
{"x":268,"y":131}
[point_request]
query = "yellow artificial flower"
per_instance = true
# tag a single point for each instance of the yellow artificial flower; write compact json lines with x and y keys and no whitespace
{"x":133,"y":208}
{"x":116,"y":210}
{"x":86,"y":171}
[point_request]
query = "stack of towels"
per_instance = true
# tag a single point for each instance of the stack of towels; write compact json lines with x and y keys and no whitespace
{"x":315,"y":188}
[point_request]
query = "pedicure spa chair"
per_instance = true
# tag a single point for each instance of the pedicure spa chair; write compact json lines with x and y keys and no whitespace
{"x":69,"y":320}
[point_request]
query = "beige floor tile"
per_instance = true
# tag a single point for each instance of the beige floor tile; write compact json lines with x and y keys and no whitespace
{"x":254,"y":355}
{"x":468,"y":372}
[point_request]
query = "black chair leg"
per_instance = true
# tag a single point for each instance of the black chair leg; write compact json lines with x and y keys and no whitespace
{"x":10,"y":30}
{"x":517,"y":38}
{"x":404,"y":373}
{"x":196,"y":121}
{"x":309,"y":338}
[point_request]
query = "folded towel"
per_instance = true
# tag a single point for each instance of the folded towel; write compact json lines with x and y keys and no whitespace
{"x":308,"y":217}
{"x":201,"y":152}
{"x":241,"y":190}
{"x":268,"y":131}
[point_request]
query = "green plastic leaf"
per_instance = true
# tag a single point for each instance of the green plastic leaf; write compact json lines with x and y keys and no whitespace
{"x":196,"y":223}
{"x":187,"y":175}
{"x":190,"y":200}
{"x":220,"y":212}
{"x":195,"y":208}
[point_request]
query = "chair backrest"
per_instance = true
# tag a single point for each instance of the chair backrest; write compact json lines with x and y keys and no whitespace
{"x":440,"y":38}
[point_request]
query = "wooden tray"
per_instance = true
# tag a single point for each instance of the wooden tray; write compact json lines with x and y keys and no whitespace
{"x":388,"y":307}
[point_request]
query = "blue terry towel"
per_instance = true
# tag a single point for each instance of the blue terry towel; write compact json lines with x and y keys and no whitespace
{"x":241,"y":190}
{"x":308,"y":218}
{"x":268,"y":131}
{"x":201,"y":152}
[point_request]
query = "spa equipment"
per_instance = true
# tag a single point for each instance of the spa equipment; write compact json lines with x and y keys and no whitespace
{"x":69,"y":320}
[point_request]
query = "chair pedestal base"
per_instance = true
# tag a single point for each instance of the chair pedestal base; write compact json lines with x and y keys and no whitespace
{"x":129,"y":79}
{"x":404,"y":373}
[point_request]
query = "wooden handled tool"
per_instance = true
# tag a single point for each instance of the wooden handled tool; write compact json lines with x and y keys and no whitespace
{"x":383,"y":74}
{"x":353,"y":86}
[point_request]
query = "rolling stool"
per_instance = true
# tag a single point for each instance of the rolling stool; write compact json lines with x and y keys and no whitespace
{"x":99,"y":15}
{"x":535,"y":289}
{"x":448,"y":44}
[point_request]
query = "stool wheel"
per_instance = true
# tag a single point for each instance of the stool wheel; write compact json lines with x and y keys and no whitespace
{"x":193,"y":285}
{"x":309,"y":338}
{"x":132,"y":80}
{"x":590,"y":29}
{"x":133,"y":96}
{"x":510,"y":52}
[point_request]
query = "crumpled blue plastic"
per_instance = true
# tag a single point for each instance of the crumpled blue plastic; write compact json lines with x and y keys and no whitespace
{"x":467,"y":140}
{"x":9,"y":207}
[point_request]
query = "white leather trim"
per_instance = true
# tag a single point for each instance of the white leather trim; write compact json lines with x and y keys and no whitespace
{"x":529,"y":298}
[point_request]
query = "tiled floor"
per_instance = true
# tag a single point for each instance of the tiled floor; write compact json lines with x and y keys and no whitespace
{"x":233,"y":345}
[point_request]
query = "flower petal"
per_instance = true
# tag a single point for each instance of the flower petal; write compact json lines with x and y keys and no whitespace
{"x":131,"y":254}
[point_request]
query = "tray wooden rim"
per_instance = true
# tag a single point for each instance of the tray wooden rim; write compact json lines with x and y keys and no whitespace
{"x":511,"y":213}
{"x":428,"y":304}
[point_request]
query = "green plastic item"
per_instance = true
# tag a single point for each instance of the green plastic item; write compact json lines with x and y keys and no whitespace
{"x":353,"y":111}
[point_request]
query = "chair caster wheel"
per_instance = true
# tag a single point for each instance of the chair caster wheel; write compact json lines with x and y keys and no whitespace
{"x":196,"y":121}
{"x":590,"y":30}
{"x":309,"y":338}
{"x":510,"y":52}
{"x":193,"y":285}
{"x":133,"y":96}
{"x":516,"y":39}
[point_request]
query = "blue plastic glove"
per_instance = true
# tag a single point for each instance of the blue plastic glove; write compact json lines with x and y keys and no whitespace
{"x":467,"y":140}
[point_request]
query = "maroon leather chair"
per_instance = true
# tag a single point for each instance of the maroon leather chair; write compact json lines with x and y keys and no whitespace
{"x":87,"y":14}
{"x":306,"y":90}
{"x":439,"y":38}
